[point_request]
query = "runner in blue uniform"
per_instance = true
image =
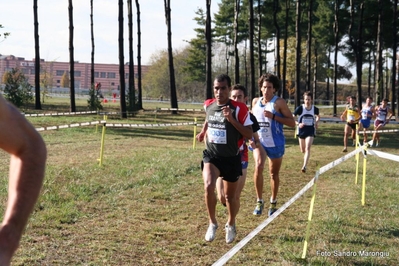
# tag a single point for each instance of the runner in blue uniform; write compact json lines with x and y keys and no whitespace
{"x":272,"y":113}
{"x":366,"y":114}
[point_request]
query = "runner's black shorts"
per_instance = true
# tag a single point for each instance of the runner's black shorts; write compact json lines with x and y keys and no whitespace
{"x":230,"y":167}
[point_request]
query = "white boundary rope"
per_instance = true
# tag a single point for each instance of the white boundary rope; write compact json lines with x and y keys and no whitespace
{"x":70,"y":125}
{"x":60,"y":114}
{"x":383,"y":155}
{"x":149,"y":125}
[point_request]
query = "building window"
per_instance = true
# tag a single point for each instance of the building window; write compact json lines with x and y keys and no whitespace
{"x":24,"y":71}
{"x":111,"y":75}
{"x":126,"y":75}
{"x":96,"y":74}
{"x":59,"y":72}
{"x":58,"y":81}
{"x":78,"y":73}
{"x":112,"y":83}
{"x":103,"y":75}
{"x":32,"y":71}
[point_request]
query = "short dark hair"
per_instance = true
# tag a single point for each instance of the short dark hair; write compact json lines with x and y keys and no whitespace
{"x":224,"y":77}
{"x":385,"y":100}
{"x":270,"y":78}
{"x":241,"y":88}
{"x":307,"y":93}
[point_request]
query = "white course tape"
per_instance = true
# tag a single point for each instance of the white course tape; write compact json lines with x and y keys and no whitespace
{"x":149,"y":125}
{"x":379,"y":131}
{"x":60,"y":114}
{"x":327,"y":167}
{"x":384,"y":155}
{"x":252,"y":234}
{"x":70,"y":126}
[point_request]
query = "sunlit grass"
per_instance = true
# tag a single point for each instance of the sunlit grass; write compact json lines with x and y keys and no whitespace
{"x":145,"y":205}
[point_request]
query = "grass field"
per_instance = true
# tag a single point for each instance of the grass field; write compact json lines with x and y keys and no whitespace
{"x":145,"y":205}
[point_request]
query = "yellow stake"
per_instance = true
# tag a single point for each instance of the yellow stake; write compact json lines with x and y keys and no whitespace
{"x":102,"y":142}
{"x":364,"y":177}
{"x":305,"y":245}
{"x":357,"y":154}
{"x":195,"y":132}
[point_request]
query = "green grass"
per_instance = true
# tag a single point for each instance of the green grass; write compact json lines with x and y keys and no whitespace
{"x":145,"y":205}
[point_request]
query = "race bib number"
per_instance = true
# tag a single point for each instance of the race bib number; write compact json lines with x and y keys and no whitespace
{"x":264,"y":131}
{"x":307,"y":121}
{"x":351,"y":117}
{"x":217,"y":136}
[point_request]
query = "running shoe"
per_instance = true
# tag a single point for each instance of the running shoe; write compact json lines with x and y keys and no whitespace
{"x":303,"y":169}
{"x":272,"y":209}
{"x":230,"y":233}
{"x":211,"y":232}
{"x":344,"y":150}
{"x":259,"y":208}
{"x":377,"y":143}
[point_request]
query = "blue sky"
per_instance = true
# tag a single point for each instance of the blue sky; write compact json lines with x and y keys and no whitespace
{"x":17,"y":18}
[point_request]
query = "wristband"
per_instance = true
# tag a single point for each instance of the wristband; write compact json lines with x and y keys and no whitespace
{"x":273,"y":116}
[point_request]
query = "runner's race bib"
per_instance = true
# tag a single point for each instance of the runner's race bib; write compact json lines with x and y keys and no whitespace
{"x":217,"y":136}
{"x":307,"y":121}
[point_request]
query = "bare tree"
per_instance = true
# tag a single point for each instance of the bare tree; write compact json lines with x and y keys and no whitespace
{"x":357,"y":44}
{"x":287,"y":8}
{"x":236,"y":55}
{"x":71,"y":58}
{"x":208,"y":36}
{"x":132,"y":90}
{"x":309,"y":47}
{"x":394,"y":49}
{"x":92,"y":45}
{"x":298,"y":55}
{"x":172,"y":82}
{"x":259,"y":16}
{"x":38,"y":105}
{"x":140,"y":96}
{"x":122,"y":87}
{"x":277,"y":42}
{"x":336,"y":41}
{"x":251,"y":48}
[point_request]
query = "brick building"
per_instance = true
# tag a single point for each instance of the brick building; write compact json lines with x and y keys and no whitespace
{"x":106,"y":74}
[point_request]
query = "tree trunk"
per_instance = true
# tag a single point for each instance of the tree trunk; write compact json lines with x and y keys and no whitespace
{"x":315,"y":71}
{"x":309,"y":48}
{"x":71,"y":58}
{"x":38,"y":105}
{"x":140,"y":96}
{"x":122,"y":88}
{"x":172,"y":83}
{"x":251,"y":48}
{"x":359,"y":57}
{"x":379,"y":78}
{"x":236,"y":55}
{"x":208,"y":36}
{"x":284,"y":83}
{"x":336,"y":41}
{"x":259,"y":42}
{"x":92,"y":45}
{"x":132,"y":89}
{"x":328,"y":76}
{"x":394,"y":49}
{"x":298,"y":55}
{"x":277,"y":46}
